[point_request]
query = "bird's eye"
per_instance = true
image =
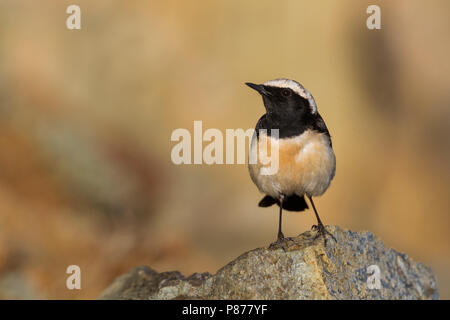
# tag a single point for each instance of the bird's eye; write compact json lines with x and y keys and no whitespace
{"x":286,"y":92}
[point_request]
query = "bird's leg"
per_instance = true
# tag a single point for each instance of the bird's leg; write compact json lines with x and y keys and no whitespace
{"x":280,"y":234}
{"x":321,"y":230}
{"x":280,"y":237}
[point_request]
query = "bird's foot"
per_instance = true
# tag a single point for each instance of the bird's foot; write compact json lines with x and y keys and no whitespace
{"x":282,"y":242}
{"x":322,"y":232}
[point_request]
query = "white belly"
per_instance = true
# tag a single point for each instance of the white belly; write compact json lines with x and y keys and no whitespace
{"x":306,"y":165}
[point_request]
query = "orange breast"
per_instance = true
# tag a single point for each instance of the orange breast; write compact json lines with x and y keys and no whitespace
{"x":306,"y":164}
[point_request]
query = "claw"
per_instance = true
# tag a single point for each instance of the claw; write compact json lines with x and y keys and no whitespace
{"x":281,"y":242}
{"x":322,"y":231}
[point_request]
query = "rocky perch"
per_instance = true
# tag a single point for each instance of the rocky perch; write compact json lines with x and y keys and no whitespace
{"x":303,"y":268}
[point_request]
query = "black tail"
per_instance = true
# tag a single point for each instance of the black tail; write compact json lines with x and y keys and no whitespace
{"x":291,"y":203}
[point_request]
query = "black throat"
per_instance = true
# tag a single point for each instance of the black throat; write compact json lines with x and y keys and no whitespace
{"x":291,"y":127}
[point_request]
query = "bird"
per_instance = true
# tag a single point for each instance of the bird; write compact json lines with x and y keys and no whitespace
{"x":306,"y":160}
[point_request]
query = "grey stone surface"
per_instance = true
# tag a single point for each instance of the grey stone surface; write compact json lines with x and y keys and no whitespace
{"x":303,"y":268}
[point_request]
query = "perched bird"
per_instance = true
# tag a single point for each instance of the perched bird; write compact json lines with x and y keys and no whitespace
{"x":306,"y":159}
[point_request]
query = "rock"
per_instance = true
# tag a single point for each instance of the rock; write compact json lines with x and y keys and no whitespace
{"x":303,"y":268}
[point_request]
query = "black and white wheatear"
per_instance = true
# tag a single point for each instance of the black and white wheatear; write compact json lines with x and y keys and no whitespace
{"x":306,"y":159}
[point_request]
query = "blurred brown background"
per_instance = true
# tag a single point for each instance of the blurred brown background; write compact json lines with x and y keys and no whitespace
{"x":86,"y":118}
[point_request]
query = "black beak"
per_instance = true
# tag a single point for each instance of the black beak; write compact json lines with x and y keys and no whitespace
{"x":260,"y":88}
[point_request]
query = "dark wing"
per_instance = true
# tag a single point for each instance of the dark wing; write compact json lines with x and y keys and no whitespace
{"x":261,"y":124}
{"x":321,"y":127}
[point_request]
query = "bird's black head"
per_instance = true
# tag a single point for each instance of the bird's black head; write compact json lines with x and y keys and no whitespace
{"x":286,"y":100}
